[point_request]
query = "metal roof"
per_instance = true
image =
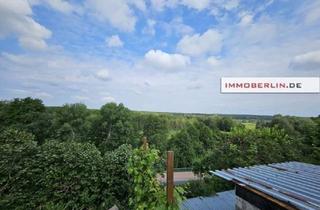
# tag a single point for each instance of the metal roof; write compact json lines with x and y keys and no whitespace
{"x":222,"y":201}
{"x":294,"y":183}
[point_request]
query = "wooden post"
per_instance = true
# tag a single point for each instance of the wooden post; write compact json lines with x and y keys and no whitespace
{"x":170,"y":181}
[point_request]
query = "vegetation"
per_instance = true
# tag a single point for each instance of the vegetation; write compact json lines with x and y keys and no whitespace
{"x":72,"y":157}
{"x":146,"y":190}
{"x":207,"y":186}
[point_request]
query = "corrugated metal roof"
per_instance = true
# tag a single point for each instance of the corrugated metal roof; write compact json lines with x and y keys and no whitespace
{"x":291,"y":182}
{"x":222,"y":201}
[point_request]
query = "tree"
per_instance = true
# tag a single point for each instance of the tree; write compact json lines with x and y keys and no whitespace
{"x":243,"y":147}
{"x":156,"y":129}
{"x":206,"y":135}
{"x":116,"y":181}
{"x":186,"y":145}
{"x":113,"y":128}
{"x":68,"y":175}
{"x":26,"y":114}
{"x":225,"y":123}
{"x":71,"y":122}
{"x":17,"y":152}
{"x":210,"y":122}
{"x":283,"y":123}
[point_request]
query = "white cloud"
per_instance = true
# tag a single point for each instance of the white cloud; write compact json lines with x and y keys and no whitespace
{"x":194,"y":87}
{"x":107,"y":99}
{"x":81,"y":98}
{"x":137,"y":92}
{"x":193,"y":4}
{"x":161,"y":4}
{"x":213,"y":61}
{"x":246,"y":20}
{"x":117,"y":13}
{"x":33,"y":93}
{"x":139,"y":4}
{"x":149,"y":29}
{"x":42,"y":94}
{"x":195,"y":45}
{"x":176,"y":26}
{"x":263,"y":47}
{"x":114,"y":41}
{"x":103,"y":74}
{"x":307,"y":61}
{"x":262,"y":31}
{"x":196,"y":4}
{"x":231,"y":4}
{"x":312,"y":13}
{"x":166,"y":61}
{"x":15,"y":19}
{"x":59,"y":5}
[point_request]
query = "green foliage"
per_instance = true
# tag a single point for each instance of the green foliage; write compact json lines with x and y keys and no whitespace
{"x":207,"y":186}
{"x":243,"y":147}
{"x":185,"y":148}
{"x":26,"y":114}
{"x":70,"y":174}
{"x":85,"y":164}
{"x":249,"y":125}
{"x":225,"y":123}
{"x":305,"y":130}
{"x":114,"y":175}
{"x":113,"y":128}
{"x":60,"y":174}
{"x":190,"y":143}
{"x":17,"y":152}
{"x":71,"y":122}
{"x":156,"y":129}
{"x":146,"y":192}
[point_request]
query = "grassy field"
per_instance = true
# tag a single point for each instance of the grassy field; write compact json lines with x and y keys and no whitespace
{"x":249,"y":125}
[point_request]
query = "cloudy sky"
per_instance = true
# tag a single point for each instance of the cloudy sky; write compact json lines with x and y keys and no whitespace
{"x":158,"y":55}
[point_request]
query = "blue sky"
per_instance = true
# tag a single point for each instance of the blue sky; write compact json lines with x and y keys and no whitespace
{"x":159,"y":55}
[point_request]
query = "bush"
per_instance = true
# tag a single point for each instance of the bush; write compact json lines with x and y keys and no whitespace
{"x":17,"y":152}
{"x":146,"y":191}
{"x":70,"y":174}
{"x":115,"y":179}
{"x":208,"y":186}
{"x":59,"y":175}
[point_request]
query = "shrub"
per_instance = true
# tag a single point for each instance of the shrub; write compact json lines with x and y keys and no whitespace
{"x":17,"y":150}
{"x":206,"y":187}
{"x":146,"y":191}
{"x":115,"y":178}
{"x":70,"y":174}
{"x":66,"y":175}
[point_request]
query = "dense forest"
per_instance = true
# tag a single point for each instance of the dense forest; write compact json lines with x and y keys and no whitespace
{"x":72,"y":157}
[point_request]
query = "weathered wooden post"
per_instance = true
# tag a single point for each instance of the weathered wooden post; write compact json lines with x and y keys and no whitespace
{"x":170,"y":181}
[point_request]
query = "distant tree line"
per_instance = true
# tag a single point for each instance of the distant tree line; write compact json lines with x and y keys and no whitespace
{"x":72,"y":157}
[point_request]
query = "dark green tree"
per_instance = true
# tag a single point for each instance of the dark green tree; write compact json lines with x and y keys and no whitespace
{"x":186,"y":145}
{"x":225,"y":123}
{"x":113,"y":128}
{"x":17,"y":152}
{"x":116,"y":182}
{"x":156,"y":129}
{"x":71,"y":122}
{"x":26,"y":114}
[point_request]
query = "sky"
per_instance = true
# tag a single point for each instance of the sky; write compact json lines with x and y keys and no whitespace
{"x":159,"y":55}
